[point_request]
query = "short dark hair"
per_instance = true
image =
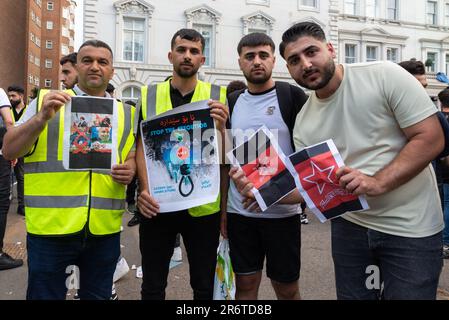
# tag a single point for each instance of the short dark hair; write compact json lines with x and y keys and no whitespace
{"x":310,"y":29}
{"x":443,"y":96}
{"x":189,"y":34}
{"x":234,"y":86}
{"x":413,"y":66}
{"x":96,"y":44}
{"x":16,"y":88}
{"x":255,"y":39}
{"x":71,"y":57}
{"x":110,"y":88}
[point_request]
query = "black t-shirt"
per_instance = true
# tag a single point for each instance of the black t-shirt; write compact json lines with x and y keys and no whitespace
{"x":442,"y":170}
{"x":19,"y":114}
{"x":177,"y":99}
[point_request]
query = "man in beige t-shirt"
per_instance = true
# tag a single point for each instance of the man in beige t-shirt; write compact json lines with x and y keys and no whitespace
{"x":386,"y":130}
{"x":384,"y":126}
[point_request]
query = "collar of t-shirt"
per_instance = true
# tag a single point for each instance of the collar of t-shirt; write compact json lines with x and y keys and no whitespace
{"x":262,"y":93}
{"x":177,"y":99}
{"x":17,"y":115}
{"x":80,"y":92}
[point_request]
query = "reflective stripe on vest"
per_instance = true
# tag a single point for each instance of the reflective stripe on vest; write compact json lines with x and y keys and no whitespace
{"x":156,"y":100}
{"x":57,"y":200}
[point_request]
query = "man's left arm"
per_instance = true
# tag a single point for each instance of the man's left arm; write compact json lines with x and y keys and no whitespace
{"x":124,"y":173}
{"x":425,"y":142}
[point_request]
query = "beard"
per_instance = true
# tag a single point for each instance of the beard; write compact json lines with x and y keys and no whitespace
{"x":326,"y":75}
{"x":15,"y":103}
{"x":257,"y":79}
{"x":186,"y":73}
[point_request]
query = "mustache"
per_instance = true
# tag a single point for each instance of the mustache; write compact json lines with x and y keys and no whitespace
{"x":308,"y":72}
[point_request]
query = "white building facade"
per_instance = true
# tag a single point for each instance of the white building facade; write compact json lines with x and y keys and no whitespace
{"x":140,"y":32}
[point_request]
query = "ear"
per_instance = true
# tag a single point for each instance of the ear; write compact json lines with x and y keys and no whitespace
{"x":170,"y":57}
{"x":203,"y":60}
{"x":240,"y":63}
{"x":331,"y":50}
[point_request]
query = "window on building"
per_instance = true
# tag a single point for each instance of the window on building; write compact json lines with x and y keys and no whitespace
{"x":134,"y":39}
{"x":447,"y":63}
{"x":48,"y":63}
{"x":36,"y":81}
{"x":350,"y":53}
{"x":446,"y":14}
{"x":350,"y":7}
{"x":309,"y":3}
{"x":431,"y":61}
{"x":33,"y":16}
{"x":206,"y":31}
{"x":31,"y":58}
{"x":37,"y":61}
{"x":38,"y":21}
{"x":48,"y":44}
{"x":431,"y":12}
{"x":253,"y":30}
{"x":371,"y":53}
{"x":30,"y":79}
{"x":64,"y":50}
{"x":392,"y":54}
{"x":50,"y":6}
{"x":392,"y":9}
{"x":38,"y":2}
{"x":372,"y":8}
{"x":47,"y":83}
{"x":131,"y":93}
{"x":38,"y":42}
{"x":32,"y":38}
{"x":49,"y":25}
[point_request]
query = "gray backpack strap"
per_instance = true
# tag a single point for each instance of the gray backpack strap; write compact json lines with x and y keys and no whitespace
{"x":151,"y":101}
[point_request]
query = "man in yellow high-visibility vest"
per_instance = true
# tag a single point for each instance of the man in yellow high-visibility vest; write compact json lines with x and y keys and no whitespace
{"x":73,"y":218}
{"x":199,"y":226}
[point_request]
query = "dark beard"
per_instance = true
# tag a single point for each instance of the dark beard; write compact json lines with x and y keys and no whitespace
{"x":257,"y":80}
{"x":186,"y":74}
{"x":327,"y":74}
{"x":15,"y":103}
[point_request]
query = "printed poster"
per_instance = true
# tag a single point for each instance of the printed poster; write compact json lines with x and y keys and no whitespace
{"x":315,"y":170}
{"x":181,"y":154}
{"x":264,"y":164}
{"x":90,"y":133}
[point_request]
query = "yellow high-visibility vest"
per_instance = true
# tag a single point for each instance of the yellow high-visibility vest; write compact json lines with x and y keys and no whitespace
{"x":62,"y":202}
{"x":158,"y":98}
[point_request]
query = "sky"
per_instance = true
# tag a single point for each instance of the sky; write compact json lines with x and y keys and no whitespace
{"x":79,"y":24}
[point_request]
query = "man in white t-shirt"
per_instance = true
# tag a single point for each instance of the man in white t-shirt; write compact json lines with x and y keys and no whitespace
{"x":274,"y":234}
{"x":6,"y":121}
{"x":386,"y":130}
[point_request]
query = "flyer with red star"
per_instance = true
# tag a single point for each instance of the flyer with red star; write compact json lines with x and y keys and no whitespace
{"x":314,"y":169}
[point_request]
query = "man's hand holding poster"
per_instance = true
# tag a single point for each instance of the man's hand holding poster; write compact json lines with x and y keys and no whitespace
{"x":264,"y":164}
{"x":315,"y":169}
{"x":90,"y":133}
{"x":181,"y":155}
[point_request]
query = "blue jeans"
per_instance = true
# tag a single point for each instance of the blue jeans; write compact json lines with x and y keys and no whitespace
{"x":51,"y":260}
{"x":446,"y":214}
{"x":408,"y":267}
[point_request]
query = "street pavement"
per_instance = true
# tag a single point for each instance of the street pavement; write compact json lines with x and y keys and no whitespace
{"x":316,"y":282}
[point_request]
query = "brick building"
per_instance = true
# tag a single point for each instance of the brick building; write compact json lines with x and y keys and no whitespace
{"x":35,"y":34}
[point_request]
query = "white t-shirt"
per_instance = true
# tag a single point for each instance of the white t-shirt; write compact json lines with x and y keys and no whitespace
{"x":4,"y":102}
{"x":251,"y":111}
{"x":364,"y":117}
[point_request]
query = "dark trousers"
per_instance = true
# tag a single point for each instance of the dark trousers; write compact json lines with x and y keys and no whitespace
{"x":51,"y":260}
{"x":364,"y":258}
{"x":18,"y":172}
{"x":5,"y":191}
{"x":157,"y":238}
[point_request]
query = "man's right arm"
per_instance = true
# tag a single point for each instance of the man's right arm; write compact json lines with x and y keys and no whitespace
{"x":19,"y":140}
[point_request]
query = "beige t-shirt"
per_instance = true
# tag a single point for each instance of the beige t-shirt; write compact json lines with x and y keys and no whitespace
{"x":364,"y":117}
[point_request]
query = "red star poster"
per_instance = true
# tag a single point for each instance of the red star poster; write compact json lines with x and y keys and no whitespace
{"x":264,"y":165}
{"x":315,"y":170}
